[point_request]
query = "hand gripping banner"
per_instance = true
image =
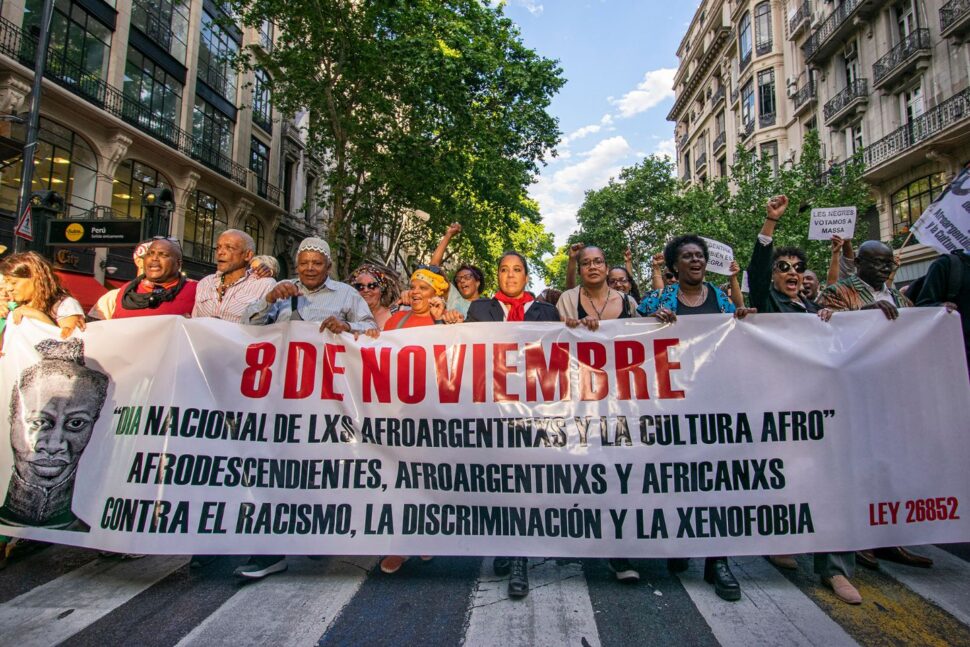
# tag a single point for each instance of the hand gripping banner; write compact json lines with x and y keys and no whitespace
{"x":709,"y":436}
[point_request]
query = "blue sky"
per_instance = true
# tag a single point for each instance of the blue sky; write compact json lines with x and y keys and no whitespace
{"x":619,"y":58}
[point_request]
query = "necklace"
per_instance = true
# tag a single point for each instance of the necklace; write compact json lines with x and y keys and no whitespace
{"x":693,"y":303}
{"x":599,"y":311}
{"x":222,"y":287}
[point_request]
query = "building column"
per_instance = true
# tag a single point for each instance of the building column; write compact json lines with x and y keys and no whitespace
{"x":238,"y":214}
{"x":13,"y":90}
{"x":114,"y":152}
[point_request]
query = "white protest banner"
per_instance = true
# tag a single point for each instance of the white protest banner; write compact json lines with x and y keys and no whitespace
{"x":711,"y":436}
{"x":945,"y":225}
{"x":836,"y":221}
{"x":719,"y":257}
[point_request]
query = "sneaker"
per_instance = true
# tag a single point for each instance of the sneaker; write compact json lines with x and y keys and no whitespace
{"x":623,"y":570}
{"x":784,"y":561}
{"x":392,"y":563}
{"x":843,"y":589}
{"x":259,"y":566}
{"x":518,"y":577}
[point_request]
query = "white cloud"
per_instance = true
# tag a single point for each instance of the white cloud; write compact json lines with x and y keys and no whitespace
{"x":579,"y":133}
{"x":533,"y":7}
{"x":667,"y":147}
{"x":561,"y":194}
{"x":657,"y":85}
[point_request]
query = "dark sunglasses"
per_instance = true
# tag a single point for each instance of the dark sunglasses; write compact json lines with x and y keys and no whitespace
{"x":669,"y":276}
{"x":360,"y":287}
{"x":784,"y":266}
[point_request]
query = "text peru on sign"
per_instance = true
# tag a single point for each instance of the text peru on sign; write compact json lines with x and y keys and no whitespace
{"x":94,"y":233}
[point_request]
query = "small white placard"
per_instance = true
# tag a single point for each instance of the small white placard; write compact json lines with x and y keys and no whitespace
{"x":719,"y":257}
{"x":837,"y":221}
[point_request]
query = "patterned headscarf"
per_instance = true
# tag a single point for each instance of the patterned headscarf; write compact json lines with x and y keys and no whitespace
{"x":436,"y":281}
{"x":373,"y":271}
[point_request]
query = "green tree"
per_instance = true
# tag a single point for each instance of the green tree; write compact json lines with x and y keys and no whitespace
{"x":434,"y":105}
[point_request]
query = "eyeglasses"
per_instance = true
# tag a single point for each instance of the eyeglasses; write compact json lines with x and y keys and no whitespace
{"x":360,"y":287}
{"x":593,"y":262}
{"x":877,"y":264}
{"x":621,"y":279}
{"x":785,"y":266}
{"x":669,"y":276}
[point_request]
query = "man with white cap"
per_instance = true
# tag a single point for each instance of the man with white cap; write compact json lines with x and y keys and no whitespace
{"x":314,"y":296}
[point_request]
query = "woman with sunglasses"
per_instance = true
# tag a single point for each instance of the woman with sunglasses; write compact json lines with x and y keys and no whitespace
{"x":377,"y":290}
{"x":512,"y":303}
{"x":36,"y":293}
{"x":775,"y":274}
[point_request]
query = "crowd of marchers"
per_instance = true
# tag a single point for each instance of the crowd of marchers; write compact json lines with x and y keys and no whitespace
{"x":245,"y":289}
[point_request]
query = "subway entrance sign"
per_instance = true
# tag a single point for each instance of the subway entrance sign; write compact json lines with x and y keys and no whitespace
{"x":94,"y":233}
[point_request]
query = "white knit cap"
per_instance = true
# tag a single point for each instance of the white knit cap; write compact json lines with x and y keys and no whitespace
{"x":314,"y":245}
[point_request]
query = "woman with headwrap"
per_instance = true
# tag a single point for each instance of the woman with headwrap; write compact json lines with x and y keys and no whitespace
{"x":427,"y":309}
{"x":378,"y":290}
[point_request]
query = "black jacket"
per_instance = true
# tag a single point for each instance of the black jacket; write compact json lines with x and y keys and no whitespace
{"x":492,"y":310}
{"x":763,"y":294}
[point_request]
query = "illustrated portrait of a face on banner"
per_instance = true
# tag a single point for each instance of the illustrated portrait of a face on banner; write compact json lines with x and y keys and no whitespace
{"x":54,"y":405}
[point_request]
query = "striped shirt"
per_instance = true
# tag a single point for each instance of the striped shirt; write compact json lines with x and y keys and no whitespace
{"x":331,"y":299}
{"x":234,"y":302}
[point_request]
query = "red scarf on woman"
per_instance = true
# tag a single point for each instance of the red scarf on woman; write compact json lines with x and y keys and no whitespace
{"x":516,"y":306}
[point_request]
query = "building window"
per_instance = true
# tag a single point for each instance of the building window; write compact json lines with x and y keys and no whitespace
{"x":79,"y":48}
{"x":203,"y":225}
{"x":722,"y":169}
{"x":216,"y":50}
{"x":311,"y":197}
{"x":851,"y":58}
{"x":907,"y":20}
{"x":744,"y":40}
{"x":262,"y":110}
{"x":766,"y":97}
{"x":762,"y":28}
{"x":166,"y":22}
{"x":259,"y":164}
{"x":747,"y":104}
{"x":266,"y":35}
{"x":63,"y":162}
{"x":911,"y":201}
{"x":288,"y":186}
{"x":912,"y":104}
{"x":147,"y":86}
{"x":769,"y":155}
{"x":131,"y":182}
{"x":212,"y":132}
{"x":254,"y":228}
{"x":853,"y":139}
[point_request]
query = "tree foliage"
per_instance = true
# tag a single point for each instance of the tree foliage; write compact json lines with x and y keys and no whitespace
{"x":647,"y":205}
{"x":434,"y":105}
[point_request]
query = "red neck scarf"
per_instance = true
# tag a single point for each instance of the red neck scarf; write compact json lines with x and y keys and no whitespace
{"x":516,"y":305}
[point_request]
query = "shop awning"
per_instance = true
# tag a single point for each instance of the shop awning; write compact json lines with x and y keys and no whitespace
{"x":82,"y":287}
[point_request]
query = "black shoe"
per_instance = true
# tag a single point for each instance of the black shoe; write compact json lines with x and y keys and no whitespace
{"x":678,"y":564}
{"x":259,"y":566}
{"x":623,"y":570}
{"x":501,"y":565}
{"x":518,"y":577}
{"x":716,"y":572}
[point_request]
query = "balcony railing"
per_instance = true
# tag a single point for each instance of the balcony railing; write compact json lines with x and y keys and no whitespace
{"x":918,"y":42}
{"x":155,"y":27}
{"x":765,"y":47}
{"x":856,"y":91}
{"x":803,"y":95}
{"x":686,"y":177}
{"x":720,"y":141}
{"x":266,"y":190}
{"x":747,"y":129}
{"x":18,"y":45}
{"x":931,"y":123}
{"x":767,"y":119}
{"x":954,"y":14}
{"x":682,"y":142}
{"x":829,"y":29}
{"x":214,"y":75}
{"x":718,"y":96}
{"x":800,"y":19}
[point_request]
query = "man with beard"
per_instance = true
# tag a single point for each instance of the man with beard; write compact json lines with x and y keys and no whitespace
{"x":53,"y":409}
{"x":867,"y":290}
{"x":227,"y":293}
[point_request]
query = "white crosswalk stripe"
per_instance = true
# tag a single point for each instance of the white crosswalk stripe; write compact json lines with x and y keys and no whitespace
{"x":771,"y":611}
{"x":947,"y":584}
{"x":291,"y":608}
{"x":556,"y":612}
{"x":48,"y":614}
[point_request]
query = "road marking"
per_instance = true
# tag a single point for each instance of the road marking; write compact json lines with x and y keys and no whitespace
{"x":946,"y":584}
{"x":292,"y":608}
{"x":890,"y":613}
{"x":55,"y":611}
{"x":771,"y":611}
{"x":556,"y":612}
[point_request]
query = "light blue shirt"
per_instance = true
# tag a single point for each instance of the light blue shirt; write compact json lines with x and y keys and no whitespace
{"x":332,"y":298}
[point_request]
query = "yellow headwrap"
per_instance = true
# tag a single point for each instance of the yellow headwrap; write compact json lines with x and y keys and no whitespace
{"x":438,"y":282}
